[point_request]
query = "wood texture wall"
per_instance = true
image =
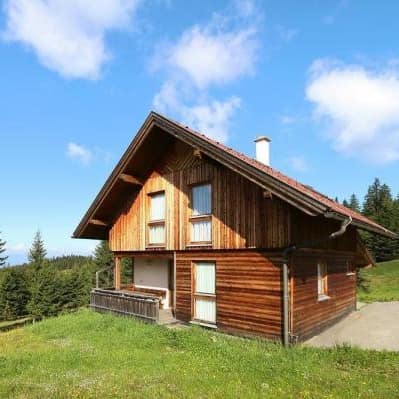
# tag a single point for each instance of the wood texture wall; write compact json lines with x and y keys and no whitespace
{"x":308,"y":314}
{"x":242,"y":217}
{"x":248,"y":290}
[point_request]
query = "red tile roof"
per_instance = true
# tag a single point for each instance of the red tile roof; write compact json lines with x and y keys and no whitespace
{"x":304,"y":189}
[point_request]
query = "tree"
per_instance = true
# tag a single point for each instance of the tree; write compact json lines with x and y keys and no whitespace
{"x":354,"y":203}
{"x":345,"y":203}
{"x":14,"y":294}
{"x":37,"y":253}
{"x":379,"y":206}
{"x":3,"y":258}
{"x":104,"y":259}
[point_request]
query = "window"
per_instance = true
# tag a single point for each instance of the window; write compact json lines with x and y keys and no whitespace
{"x":201,"y":217}
{"x":156,"y":222}
{"x":322,"y":280}
{"x":205,"y":292}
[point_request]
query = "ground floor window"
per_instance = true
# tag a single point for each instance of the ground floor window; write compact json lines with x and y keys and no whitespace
{"x":205,"y":292}
{"x":322,"y":287}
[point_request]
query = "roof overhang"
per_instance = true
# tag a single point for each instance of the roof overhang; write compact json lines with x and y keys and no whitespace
{"x":96,"y":222}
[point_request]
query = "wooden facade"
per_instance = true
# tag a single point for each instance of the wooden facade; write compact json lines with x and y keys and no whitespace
{"x":251,"y":227}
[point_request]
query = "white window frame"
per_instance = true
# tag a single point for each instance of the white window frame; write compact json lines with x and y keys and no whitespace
{"x":156,"y":222}
{"x":198,"y":217}
{"x":209,"y":296}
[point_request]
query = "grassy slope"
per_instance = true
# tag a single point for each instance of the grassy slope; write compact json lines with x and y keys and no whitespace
{"x":89,"y":355}
{"x":383,"y":283}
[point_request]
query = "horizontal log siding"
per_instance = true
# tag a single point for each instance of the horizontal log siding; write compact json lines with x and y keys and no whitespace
{"x":310,"y":315}
{"x":248,"y":290}
{"x":242,"y":217}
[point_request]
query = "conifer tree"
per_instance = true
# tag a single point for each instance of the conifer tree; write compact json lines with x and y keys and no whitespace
{"x":379,"y":206}
{"x":3,"y":257}
{"x":104,"y":259}
{"x":345,"y":203}
{"x":14,"y":294}
{"x":354,"y":203}
{"x":37,"y":253}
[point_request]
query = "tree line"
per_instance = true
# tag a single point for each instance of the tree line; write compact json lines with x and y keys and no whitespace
{"x":46,"y":287}
{"x":380,"y":205}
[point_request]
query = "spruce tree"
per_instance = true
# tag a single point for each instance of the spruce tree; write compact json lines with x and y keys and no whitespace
{"x":37,"y":253}
{"x":379,"y":206}
{"x":3,"y":257}
{"x":14,"y":294}
{"x":345,"y":203}
{"x":104,"y":259}
{"x":354,"y":203}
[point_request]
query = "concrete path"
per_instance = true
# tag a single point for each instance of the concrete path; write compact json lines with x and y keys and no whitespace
{"x":374,"y":326}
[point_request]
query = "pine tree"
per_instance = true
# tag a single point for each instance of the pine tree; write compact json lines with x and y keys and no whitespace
{"x":345,"y":203}
{"x":104,"y":259}
{"x":37,"y":253}
{"x":3,"y":258}
{"x":14,"y":294}
{"x":379,"y":206}
{"x":354,"y":203}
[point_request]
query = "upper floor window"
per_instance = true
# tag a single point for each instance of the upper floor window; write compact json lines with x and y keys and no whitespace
{"x":322,"y":288}
{"x":201,"y":217}
{"x":156,"y":223}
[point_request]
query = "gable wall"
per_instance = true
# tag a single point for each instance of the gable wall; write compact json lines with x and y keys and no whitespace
{"x":242,"y":217}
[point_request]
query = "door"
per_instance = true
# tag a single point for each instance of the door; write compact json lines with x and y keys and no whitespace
{"x":205,"y":292}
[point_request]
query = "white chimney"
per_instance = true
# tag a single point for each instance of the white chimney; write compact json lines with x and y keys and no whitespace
{"x":263,"y":150}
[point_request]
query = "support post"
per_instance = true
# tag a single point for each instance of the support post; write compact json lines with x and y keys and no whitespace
{"x":117,"y":273}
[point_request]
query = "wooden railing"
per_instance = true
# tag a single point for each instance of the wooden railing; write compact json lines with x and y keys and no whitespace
{"x":125,"y":303}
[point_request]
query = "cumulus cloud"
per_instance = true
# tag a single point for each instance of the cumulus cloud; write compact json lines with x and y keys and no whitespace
{"x":208,"y":55}
{"x":82,"y":154}
{"x":211,"y":117}
{"x":204,"y":56}
{"x":67,"y":35}
{"x":359,"y":106}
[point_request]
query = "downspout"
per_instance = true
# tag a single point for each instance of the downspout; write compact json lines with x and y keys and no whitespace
{"x":286,"y":258}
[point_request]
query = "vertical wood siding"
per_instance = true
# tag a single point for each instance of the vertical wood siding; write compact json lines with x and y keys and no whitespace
{"x":242,"y":217}
{"x":310,"y":315}
{"x":248,"y":290}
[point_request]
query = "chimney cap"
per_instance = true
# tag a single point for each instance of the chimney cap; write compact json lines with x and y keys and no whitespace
{"x":260,"y":138}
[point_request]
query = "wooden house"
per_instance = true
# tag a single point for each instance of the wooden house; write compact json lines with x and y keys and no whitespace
{"x":223,"y":240}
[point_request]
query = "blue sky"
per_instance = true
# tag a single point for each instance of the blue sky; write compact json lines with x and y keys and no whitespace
{"x":77,"y":79}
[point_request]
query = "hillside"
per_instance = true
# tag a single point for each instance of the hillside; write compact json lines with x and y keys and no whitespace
{"x":88,"y":355}
{"x":382,"y":282}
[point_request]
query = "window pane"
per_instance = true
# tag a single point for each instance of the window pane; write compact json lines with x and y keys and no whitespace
{"x":205,"y":278}
{"x":322,"y":279}
{"x":202,"y":200}
{"x":157,"y":211}
{"x":205,"y":310}
{"x":157,"y":234}
{"x":201,"y":230}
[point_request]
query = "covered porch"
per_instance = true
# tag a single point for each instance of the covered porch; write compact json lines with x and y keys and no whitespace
{"x":143,"y":287}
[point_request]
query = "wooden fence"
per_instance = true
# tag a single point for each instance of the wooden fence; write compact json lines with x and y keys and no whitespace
{"x":123,"y":303}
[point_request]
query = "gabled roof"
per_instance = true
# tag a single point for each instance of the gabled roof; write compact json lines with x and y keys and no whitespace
{"x":155,"y":133}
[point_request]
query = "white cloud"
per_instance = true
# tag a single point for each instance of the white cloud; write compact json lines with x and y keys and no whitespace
{"x":288,"y":119}
{"x":80,"y":153}
{"x":360,"y":108}
{"x":67,"y":35}
{"x":210,"y":117}
{"x":298,"y":163}
{"x":211,"y":55}
{"x":16,"y":249}
{"x":215,"y":54}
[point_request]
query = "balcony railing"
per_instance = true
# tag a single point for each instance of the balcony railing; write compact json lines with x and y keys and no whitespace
{"x":132,"y":304}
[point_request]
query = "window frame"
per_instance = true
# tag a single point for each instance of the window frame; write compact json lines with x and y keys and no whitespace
{"x":192,"y":219}
{"x":155,"y":222}
{"x":322,"y":280}
{"x":201,"y":295}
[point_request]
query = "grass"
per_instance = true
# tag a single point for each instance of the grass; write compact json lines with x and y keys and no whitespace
{"x":383,"y":283}
{"x":89,"y":355}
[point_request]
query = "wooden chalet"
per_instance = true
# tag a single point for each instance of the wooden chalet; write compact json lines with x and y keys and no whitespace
{"x":223,"y":240}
